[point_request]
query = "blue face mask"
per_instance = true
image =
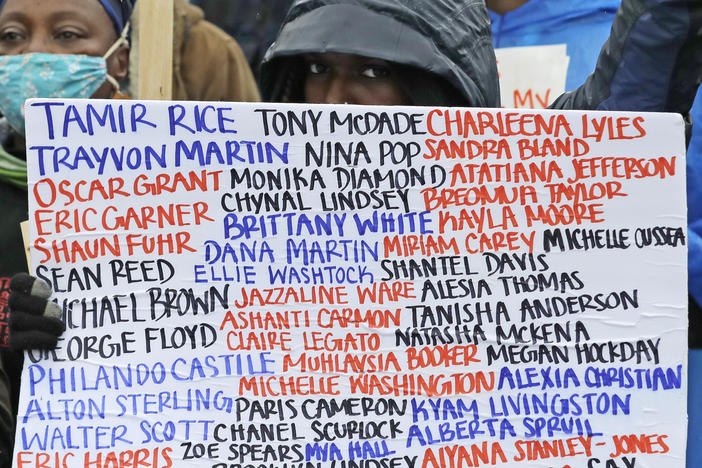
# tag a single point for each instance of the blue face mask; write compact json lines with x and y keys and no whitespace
{"x":49,"y":76}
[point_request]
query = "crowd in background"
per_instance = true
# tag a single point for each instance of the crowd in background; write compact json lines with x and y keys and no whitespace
{"x":644,"y":56}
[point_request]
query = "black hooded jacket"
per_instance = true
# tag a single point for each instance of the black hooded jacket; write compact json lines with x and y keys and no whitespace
{"x":651,"y":62}
{"x":450,"y":39}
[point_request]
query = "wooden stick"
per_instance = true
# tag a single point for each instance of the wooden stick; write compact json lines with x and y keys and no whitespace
{"x":155,"y":49}
{"x":24,"y":226}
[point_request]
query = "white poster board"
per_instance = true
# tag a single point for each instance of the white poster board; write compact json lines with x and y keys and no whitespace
{"x":531,"y":77}
{"x":252,"y":285}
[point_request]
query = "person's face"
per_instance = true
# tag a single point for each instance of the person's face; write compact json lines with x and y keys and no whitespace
{"x":79,"y":27}
{"x":351,"y":79}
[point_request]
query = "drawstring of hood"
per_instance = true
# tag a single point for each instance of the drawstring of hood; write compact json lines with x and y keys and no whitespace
{"x":122,"y":40}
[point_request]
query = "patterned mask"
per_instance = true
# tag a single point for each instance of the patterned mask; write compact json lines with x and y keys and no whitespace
{"x":40,"y":75}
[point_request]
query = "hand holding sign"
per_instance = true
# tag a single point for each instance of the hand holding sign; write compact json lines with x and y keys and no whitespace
{"x":35,"y":322}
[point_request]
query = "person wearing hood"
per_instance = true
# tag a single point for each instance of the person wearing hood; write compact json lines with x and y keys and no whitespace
{"x":434,"y":52}
{"x":440,"y":52}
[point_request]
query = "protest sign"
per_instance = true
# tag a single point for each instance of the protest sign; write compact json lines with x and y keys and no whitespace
{"x":532,"y":76}
{"x":251,"y":285}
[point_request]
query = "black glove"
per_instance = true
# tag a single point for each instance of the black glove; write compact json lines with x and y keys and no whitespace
{"x":35,"y":322}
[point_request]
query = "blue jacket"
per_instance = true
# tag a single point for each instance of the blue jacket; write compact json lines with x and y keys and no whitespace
{"x":583,"y":25}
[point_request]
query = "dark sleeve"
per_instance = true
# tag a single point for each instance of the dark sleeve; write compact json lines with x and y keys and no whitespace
{"x":652,"y":60}
{"x":7,"y":426}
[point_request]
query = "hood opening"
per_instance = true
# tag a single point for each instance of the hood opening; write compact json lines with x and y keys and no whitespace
{"x":357,"y":29}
